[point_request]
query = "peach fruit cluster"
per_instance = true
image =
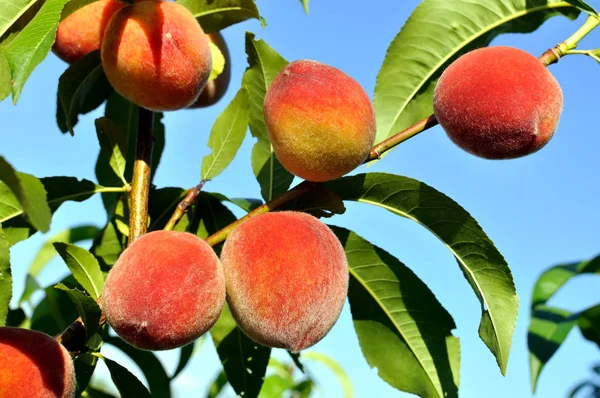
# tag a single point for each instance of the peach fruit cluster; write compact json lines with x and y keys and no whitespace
{"x":154,"y":53}
{"x":283,"y":274}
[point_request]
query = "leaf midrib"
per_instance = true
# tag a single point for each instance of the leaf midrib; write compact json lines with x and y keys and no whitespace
{"x":461,"y":46}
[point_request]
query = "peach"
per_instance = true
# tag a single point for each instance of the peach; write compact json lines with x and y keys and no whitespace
{"x":287,"y":279}
{"x":498,"y":103}
{"x":165,"y":290}
{"x":33,"y":364}
{"x":156,"y":55}
{"x":81,"y":32}
{"x":215,"y":88}
{"x":320,"y":121}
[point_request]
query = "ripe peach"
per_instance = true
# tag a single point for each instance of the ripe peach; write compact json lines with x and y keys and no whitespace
{"x":287,"y":279}
{"x":33,"y":364}
{"x":81,"y":32}
{"x":320,"y":121}
{"x":498,"y":103}
{"x":156,"y":55}
{"x":164,"y":291}
{"x":215,"y":88}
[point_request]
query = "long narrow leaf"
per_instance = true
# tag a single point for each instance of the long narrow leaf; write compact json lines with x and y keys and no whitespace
{"x":482,"y":264}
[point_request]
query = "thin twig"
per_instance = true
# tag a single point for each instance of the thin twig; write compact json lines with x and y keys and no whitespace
{"x":297,"y":191}
{"x":400,"y":137}
{"x":184,"y":205}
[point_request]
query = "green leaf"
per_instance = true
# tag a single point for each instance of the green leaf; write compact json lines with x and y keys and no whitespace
{"x":59,"y":190}
{"x":5,"y":78}
{"x":554,"y":278}
{"x":12,"y":12}
{"x":32,"y":44}
{"x":74,"y":5}
{"x":275,"y":386}
{"x":127,"y":384}
{"x":84,"y":267}
{"x":217,"y":385}
{"x":226,"y":136}
{"x":215,"y":15}
{"x":31,"y":286}
{"x":185,"y":354}
{"x":549,"y":326}
{"x":112,"y":145}
{"x":5,"y":278}
{"x":209,"y":216}
{"x":436,"y":34}
{"x":403,"y":330}
{"x":155,"y":374}
{"x":108,"y":245}
{"x":244,"y":361}
{"x":548,"y":329}
{"x":17,"y":318}
{"x":264,"y":64}
{"x":319,"y":201}
{"x":218,"y":61}
{"x":70,"y":235}
{"x":31,"y":195}
{"x":85,"y":365}
{"x":583,"y":6}
{"x":482,"y":264}
{"x":162,"y":204}
{"x":589,"y":323}
{"x":81,"y":88}
{"x":56,"y":311}
{"x":305,"y":5}
{"x":246,"y":204}
{"x":87,"y":308}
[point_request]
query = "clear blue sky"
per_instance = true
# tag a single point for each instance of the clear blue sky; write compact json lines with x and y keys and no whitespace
{"x":539,"y":210}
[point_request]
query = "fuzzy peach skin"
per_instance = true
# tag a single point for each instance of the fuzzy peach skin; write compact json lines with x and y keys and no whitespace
{"x":165,"y":290}
{"x":498,"y":103}
{"x":287,"y":279}
{"x":81,"y":32}
{"x":156,"y":55}
{"x":34,"y":365}
{"x":320,"y":121}
{"x":215,"y":89}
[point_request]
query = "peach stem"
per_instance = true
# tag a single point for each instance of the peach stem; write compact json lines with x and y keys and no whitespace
{"x":140,"y":185}
{"x":184,"y":205}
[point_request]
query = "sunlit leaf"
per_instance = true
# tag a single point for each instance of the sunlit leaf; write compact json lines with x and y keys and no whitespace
{"x":84,"y":267}
{"x":438,"y":32}
{"x":5,"y":278}
{"x":215,"y":15}
{"x":264,"y":64}
{"x":403,"y":330}
{"x":30,"y":193}
{"x":87,"y":308}
{"x":226,"y":136}
{"x":482,"y":264}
